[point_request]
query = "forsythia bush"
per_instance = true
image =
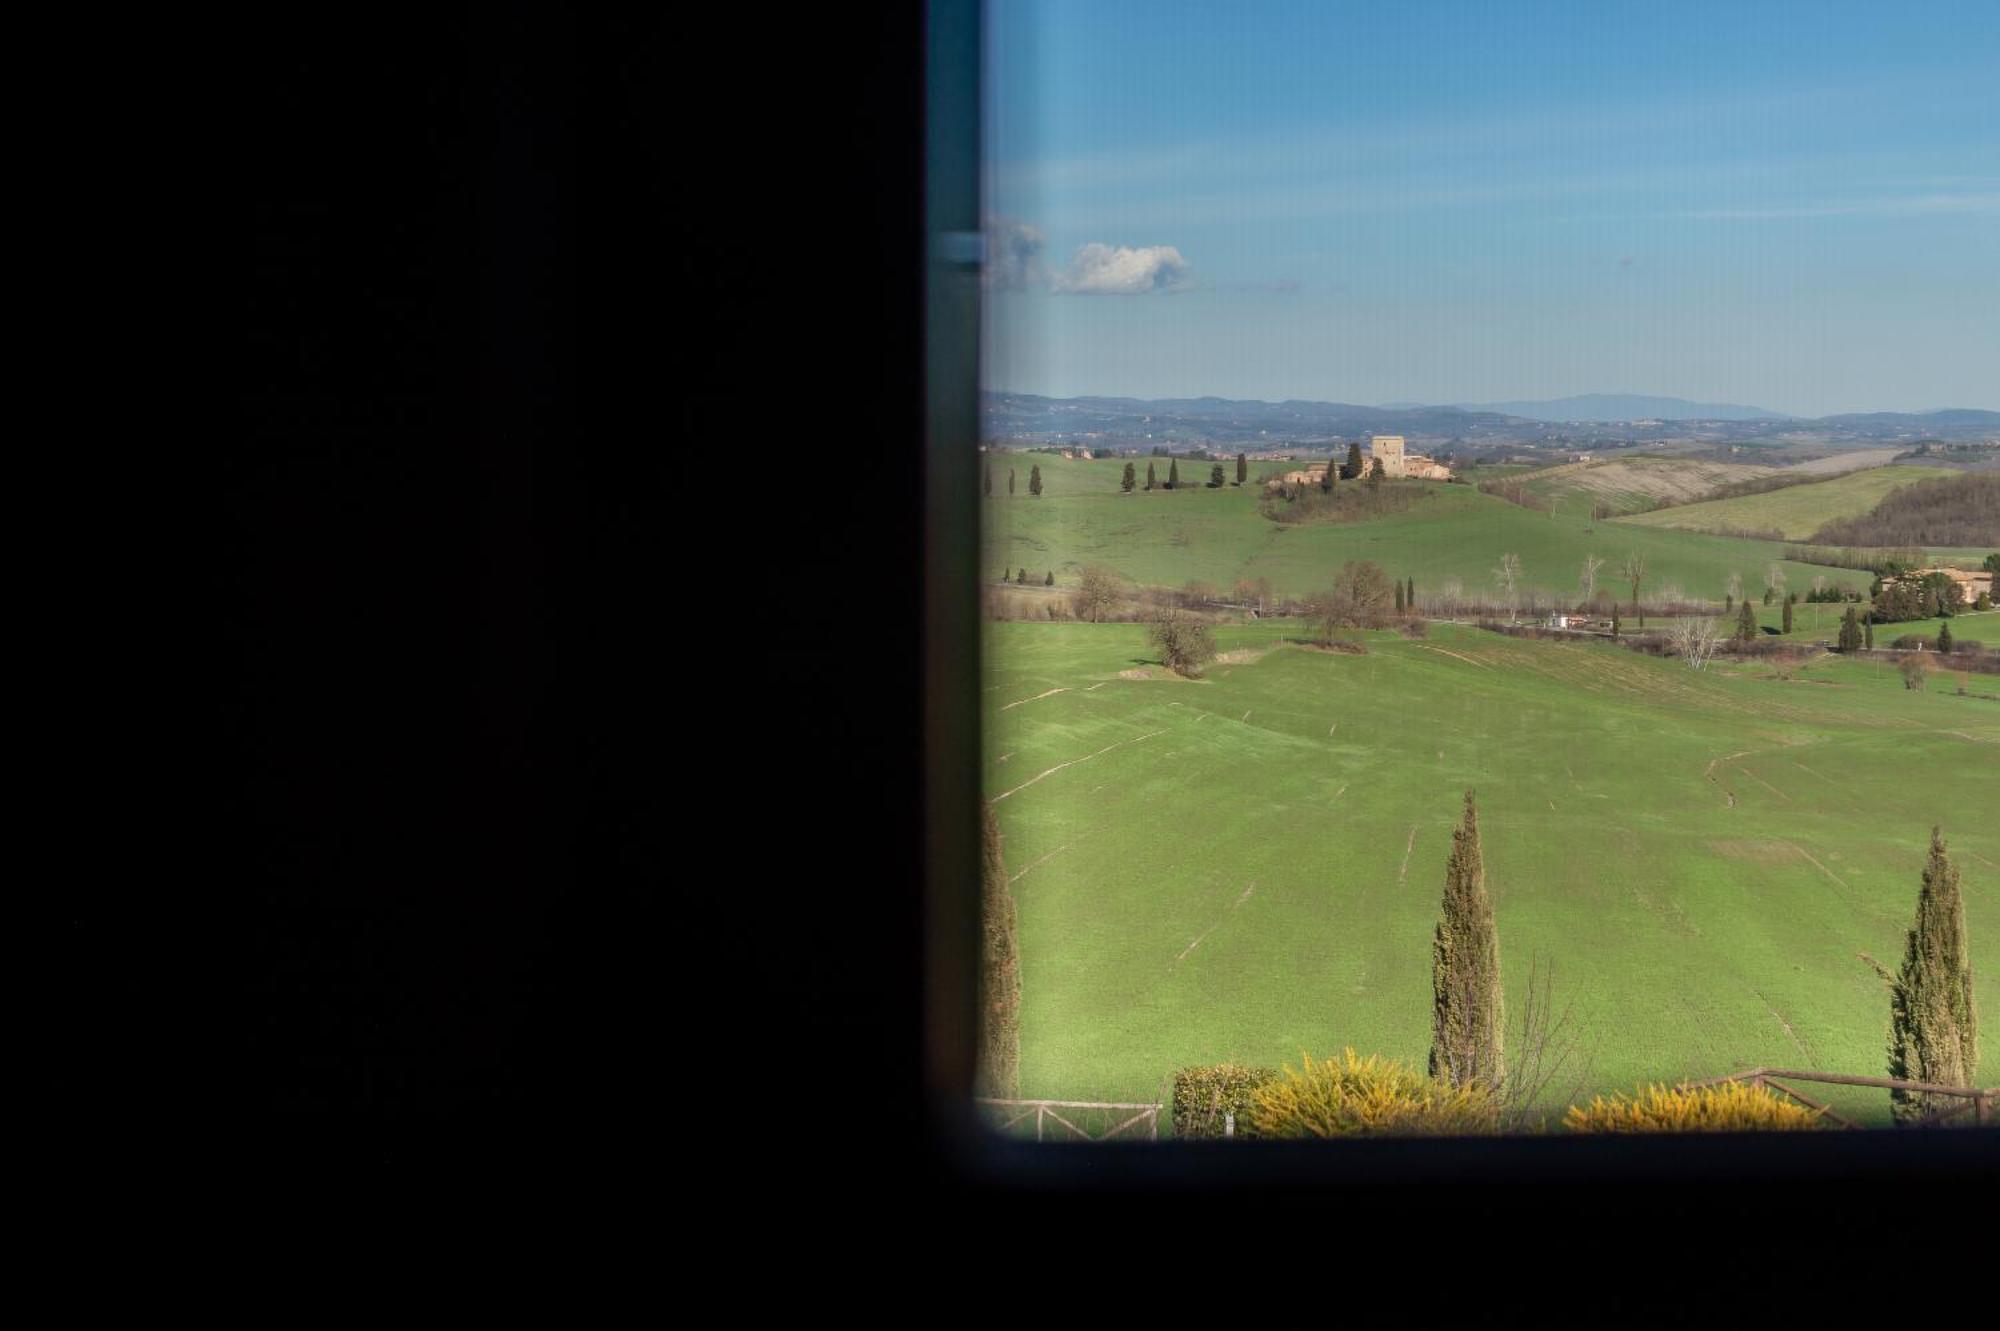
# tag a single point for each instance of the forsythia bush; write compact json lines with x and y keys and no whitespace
{"x":1374,"y":1096}
{"x":1729,"y":1107}
{"x":1202,"y":1096}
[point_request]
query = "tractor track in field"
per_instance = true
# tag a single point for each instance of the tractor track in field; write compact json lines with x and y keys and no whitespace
{"x":1037,"y":698}
{"x":1408,"y":846}
{"x":1217,"y":925}
{"x":1072,"y":763}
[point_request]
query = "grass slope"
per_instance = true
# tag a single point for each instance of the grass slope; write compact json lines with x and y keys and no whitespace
{"x":1249,"y":867}
{"x":1798,"y":511}
{"x":1628,"y":484}
{"x":1167,"y":538}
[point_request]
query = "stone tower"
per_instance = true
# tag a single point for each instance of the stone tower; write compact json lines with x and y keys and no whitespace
{"x":1389,"y":448}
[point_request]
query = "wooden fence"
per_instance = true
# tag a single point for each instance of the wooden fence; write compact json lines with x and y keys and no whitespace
{"x":1980,"y":1101}
{"x":1047,"y":1111}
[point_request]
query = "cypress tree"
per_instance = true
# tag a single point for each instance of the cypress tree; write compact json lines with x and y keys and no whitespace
{"x":1375,"y":474}
{"x":1466,"y":1009}
{"x":999,"y":973}
{"x":1728,"y":602}
{"x":1173,"y":474}
{"x":1332,"y":473}
{"x":1944,"y":638}
{"x":1022,"y":576}
{"x":1788,"y":616}
{"x":1242,"y":468}
{"x":1410,"y":594}
{"x":1035,"y":481}
{"x":1746,"y":624}
{"x":1850,"y":630}
{"x":1050,"y":581}
{"x":1353,"y":467}
{"x":1216,"y":480}
{"x":1933,"y":1027}
{"x":1614,"y":621}
{"x":1152,"y":479}
{"x":1010,"y":480}
{"x":1399,"y":598}
{"x":1129,"y":480}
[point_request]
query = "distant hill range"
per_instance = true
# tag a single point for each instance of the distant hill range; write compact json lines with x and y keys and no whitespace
{"x":1627,"y":407}
{"x":1608,"y":419}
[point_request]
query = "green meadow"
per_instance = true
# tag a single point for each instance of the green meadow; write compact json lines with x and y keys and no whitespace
{"x":1167,"y":538}
{"x":1248,"y":866}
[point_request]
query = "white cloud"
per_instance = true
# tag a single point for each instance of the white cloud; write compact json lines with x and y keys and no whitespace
{"x":1122,"y":270}
{"x":1013,"y":254}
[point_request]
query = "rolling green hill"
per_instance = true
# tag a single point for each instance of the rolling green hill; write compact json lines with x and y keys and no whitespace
{"x":1248,"y":867}
{"x":1167,"y":538}
{"x":1798,"y":511}
{"x":1631,"y":483}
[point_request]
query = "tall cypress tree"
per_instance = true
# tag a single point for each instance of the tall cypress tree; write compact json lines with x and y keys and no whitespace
{"x":1332,"y":473}
{"x":1410,"y":594}
{"x":1467,"y":1016}
{"x":1035,"y":481}
{"x":1242,"y":468}
{"x":1399,"y":598}
{"x":1788,"y":616}
{"x":1010,"y":480}
{"x":999,"y":972}
{"x":1944,"y":638}
{"x":1933,"y":1027}
{"x":1129,"y":480}
{"x":1173,"y":474}
{"x":1746,"y":624}
{"x":1152,"y":478}
{"x":1850,"y":630}
{"x":1353,"y":467}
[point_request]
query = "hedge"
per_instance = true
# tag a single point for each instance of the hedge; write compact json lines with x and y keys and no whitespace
{"x":1203,"y":1096}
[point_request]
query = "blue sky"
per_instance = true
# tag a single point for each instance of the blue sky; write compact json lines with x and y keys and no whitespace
{"x":1792,"y":206}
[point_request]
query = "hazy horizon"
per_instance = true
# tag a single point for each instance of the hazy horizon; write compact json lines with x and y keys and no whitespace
{"x":1792,"y":208}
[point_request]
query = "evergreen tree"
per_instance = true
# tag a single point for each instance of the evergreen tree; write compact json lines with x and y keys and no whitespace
{"x":1728,"y":602}
{"x":1242,"y":468}
{"x":1466,"y":1009}
{"x":1944,"y":638}
{"x":1152,"y":480}
{"x":1850,"y":630}
{"x":1173,"y":474}
{"x":1410,"y":593}
{"x":1399,"y":598}
{"x":1768,"y":593}
{"x":1130,"y":480}
{"x":1022,"y":576}
{"x":1353,"y":467}
{"x":1332,"y":474}
{"x":1050,"y":581}
{"x":999,"y":973}
{"x":1010,"y":480}
{"x":1933,"y":1027}
{"x":1746,"y":624}
{"x":1375,"y":474}
{"x":1035,"y":481}
{"x":1614,"y":621}
{"x":1788,"y":616}
{"x":1216,"y":480}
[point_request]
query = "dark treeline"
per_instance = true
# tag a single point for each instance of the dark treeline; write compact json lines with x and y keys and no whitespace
{"x":1948,"y":510}
{"x":1344,"y":503}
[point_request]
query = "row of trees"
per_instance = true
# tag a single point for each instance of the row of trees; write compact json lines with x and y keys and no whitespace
{"x":1034,"y":480}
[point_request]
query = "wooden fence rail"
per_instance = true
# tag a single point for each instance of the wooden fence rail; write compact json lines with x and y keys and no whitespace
{"x":1045,"y":1110}
{"x":1980,"y":1100}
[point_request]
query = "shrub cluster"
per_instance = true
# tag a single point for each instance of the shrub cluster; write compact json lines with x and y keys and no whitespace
{"x":1205,"y":1096}
{"x":1369,"y":1096}
{"x":1729,"y":1107}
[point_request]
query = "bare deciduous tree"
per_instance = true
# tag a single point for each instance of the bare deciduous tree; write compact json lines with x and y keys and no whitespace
{"x":1358,"y":599}
{"x":1098,"y":594}
{"x":1734,"y":588}
{"x":1695,"y":640}
{"x":1507,"y":575}
{"x":1587,"y":583}
{"x":1548,"y":1048}
{"x":1634,"y":571}
{"x":1774,"y":581}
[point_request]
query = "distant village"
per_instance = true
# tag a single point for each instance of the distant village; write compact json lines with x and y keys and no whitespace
{"x":1389,"y":449}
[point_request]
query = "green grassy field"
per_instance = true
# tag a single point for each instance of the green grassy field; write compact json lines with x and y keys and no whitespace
{"x":1452,"y":531}
{"x":1249,"y":867}
{"x":1798,"y":511}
